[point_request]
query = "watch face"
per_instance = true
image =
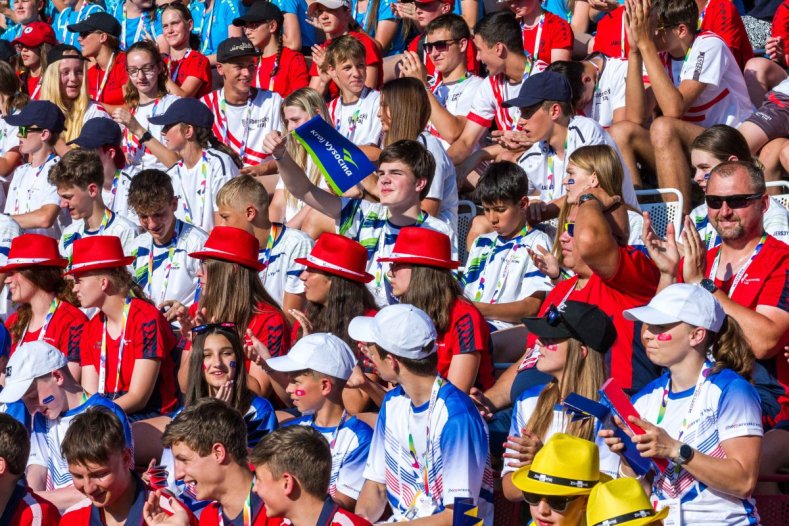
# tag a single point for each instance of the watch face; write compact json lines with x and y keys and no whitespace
{"x":685,"y":451}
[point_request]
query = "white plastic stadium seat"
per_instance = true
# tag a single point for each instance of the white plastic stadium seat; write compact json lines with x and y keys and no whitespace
{"x":782,"y":198}
{"x":662,"y":213}
{"x":467,"y":210}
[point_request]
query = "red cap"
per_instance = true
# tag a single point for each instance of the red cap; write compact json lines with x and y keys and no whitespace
{"x":422,"y":246}
{"x":33,"y":250}
{"x":34,"y":34}
{"x":97,"y":252}
{"x":338,"y":255}
{"x":228,"y":243}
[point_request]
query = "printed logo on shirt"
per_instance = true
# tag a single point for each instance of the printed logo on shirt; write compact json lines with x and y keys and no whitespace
{"x":699,"y":65}
{"x":258,"y":123}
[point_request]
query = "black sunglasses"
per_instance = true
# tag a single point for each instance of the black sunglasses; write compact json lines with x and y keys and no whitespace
{"x":559,"y":504}
{"x":439,"y":45}
{"x":202,"y":329}
{"x":733,"y":201}
{"x":24,"y":131}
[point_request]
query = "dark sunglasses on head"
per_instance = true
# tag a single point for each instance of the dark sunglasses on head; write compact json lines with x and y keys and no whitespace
{"x":24,"y":131}
{"x":438,"y":45}
{"x":569,"y":227}
{"x":733,"y":201}
{"x":559,"y":504}
{"x":202,"y":329}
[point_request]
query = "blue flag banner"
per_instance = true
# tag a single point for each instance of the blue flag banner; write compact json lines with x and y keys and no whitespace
{"x":342,"y":162}
{"x":465,"y":513}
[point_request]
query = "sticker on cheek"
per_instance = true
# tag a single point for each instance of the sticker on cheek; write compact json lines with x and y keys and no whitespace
{"x":299,"y":392}
{"x":232,"y":365}
{"x":49,"y":399}
{"x":205,"y":367}
{"x":570,"y":181}
{"x":553,"y":347}
{"x":664,"y":337}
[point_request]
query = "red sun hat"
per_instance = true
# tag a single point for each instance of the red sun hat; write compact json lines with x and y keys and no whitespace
{"x":227,"y":243}
{"x":422,"y":246}
{"x":34,"y":34}
{"x":33,"y":250}
{"x":338,"y":255}
{"x":97,"y":252}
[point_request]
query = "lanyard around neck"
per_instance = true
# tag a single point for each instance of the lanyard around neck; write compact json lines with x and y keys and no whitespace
{"x":740,"y":273}
{"x":103,"y":356}
{"x":53,"y":307}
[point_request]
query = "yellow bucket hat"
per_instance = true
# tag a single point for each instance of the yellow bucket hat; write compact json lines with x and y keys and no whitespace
{"x":621,"y":502}
{"x":565,"y":466}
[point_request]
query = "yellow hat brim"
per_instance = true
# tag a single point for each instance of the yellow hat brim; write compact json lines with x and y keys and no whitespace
{"x":646,"y":521}
{"x":522,"y":481}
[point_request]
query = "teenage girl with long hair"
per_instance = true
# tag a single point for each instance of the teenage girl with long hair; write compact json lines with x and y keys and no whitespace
{"x":12,"y":99}
{"x":188,"y":70}
{"x":33,"y":49}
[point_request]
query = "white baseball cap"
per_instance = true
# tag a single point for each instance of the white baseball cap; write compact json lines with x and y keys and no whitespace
{"x":30,"y":361}
{"x":321,"y":352}
{"x":402,"y":330}
{"x":330,"y":4}
{"x":681,"y":302}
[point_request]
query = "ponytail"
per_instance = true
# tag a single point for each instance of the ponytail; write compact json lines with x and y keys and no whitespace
{"x":206,"y":138}
{"x":731,"y":350}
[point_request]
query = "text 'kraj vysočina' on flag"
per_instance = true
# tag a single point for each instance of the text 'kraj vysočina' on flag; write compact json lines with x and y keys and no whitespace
{"x":343,"y":164}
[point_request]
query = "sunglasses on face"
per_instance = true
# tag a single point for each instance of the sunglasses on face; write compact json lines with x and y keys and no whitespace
{"x":569,"y":227}
{"x":438,"y":45}
{"x":202,"y":329}
{"x":25,"y":130}
{"x":559,"y":504}
{"x":732,"y":201}
{"x":86,"y":34}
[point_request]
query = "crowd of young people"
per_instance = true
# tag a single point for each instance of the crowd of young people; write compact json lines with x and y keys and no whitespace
{"x":198,"y":329}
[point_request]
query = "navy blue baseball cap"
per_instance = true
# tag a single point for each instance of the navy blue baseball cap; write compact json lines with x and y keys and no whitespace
{"x":97,"y":132}
{"x":99,"y":21}
{"x":186,"y":110}
{"x":538,"y":88}
{"x":41,"y":113}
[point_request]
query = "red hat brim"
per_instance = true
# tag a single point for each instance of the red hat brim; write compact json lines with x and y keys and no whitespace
{"x":419,"y":260}
{"x":253,"y":264}
{"x":365,"y":278}
{"x":124,"y":262}
{"x":57,"y":262}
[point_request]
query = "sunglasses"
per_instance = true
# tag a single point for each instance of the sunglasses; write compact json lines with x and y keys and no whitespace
{"x":25,"y":130}
{"x":202,"y":329}
{"x":438,"y":45}
{"x":733,"y":201}
{"x":559,"y":504}
{"x":86,"y":34}
{"x":569,"y":227}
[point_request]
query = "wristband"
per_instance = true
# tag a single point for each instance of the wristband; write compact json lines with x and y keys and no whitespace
{"x":146,"y":137}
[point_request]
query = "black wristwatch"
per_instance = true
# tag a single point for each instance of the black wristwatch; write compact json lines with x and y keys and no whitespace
{"x":146,"y":137}
{"x":708,"y":285}
{"x":587,"y":197}
{"x":685,"y":455}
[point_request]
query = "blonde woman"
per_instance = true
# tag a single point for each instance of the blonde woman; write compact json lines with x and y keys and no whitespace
{"x":65,"y":85}
{"x":572,"y":344}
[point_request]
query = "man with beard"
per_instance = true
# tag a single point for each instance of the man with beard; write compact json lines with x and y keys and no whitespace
{"x":748,"y":273}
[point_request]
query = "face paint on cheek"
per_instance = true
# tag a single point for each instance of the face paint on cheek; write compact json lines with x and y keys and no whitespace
{"x":553,"y":347}
{"x":299,"y":392}
{"x":570,"y":181}
{"x":663,"y":337}
{"x":232,"y":365}
{"x":49,"y":399}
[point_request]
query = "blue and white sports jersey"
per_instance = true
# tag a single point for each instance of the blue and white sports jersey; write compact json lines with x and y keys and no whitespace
{"x":460,"y":463}
{"x":348,"y":456}
{"x":213,"y":25}
{"x":18,"y":411}
{"x":525,"y":406}
{"x":12,"y":32}
{"x":726,"y":407}
{"x":48,"y":434}
{"x":281,"y":272}
{"x":384,"y":13}
{"x":145,"y":27}
{"x":261,"y":419}
{"x":67,"y":17}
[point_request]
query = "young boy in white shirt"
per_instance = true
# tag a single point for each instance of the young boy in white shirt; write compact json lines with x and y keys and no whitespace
{"x":32,"y":202}
{"x":500,"y":276}
{"x":405,"y":172}
{"x":78,"y":178}
{"x":354,"y":113}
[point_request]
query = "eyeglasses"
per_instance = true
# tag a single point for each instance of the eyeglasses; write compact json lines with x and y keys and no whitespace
{"x":25,"y":130}
{"x":559,"y":504}
{"x":146,"y":70}
{"x":733,"y":201}
{"x":569,"y":227}
{"x":202,"y":329}
{"x":439,"y":45}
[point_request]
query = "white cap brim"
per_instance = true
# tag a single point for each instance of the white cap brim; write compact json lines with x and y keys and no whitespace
{"x":362,"y":329}
{"x":647,"y":314}
{"x":14,"y":391}
{"x":284,"y":364}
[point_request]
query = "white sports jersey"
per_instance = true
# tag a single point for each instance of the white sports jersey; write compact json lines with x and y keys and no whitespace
{"x":30,"y":190}
{"x":725,"y":99}
{"x":196,"y":187}
{"x":368,"y":224}
{"x":727,"y":406}
{"x":460,"y":459}
{"x":444,"y":185}
{"x":501,"y":271}
{"x":117,"y":226}
{"x":95,"y":110}
{"x":243,"y":127}
{"x":636,"y":221}
{"x":524,"y":407}
{"x":487,"y":105}
{"x":457,"y":97}
{"x":282,"y":273}
{"x":173,"y":273}
{"x":609,"y":93}
{"x":293,"y":208}
{"x":775,"y":221}
{"x":349,"y":450}
{"x":358,"y":121}
{"x":546,"y":171}
{"x":117,"y":197}
{"x":8,"y":137}
{"x":47,"y":436}
{"x":9,"y":229}
{"x":137,"y":156}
